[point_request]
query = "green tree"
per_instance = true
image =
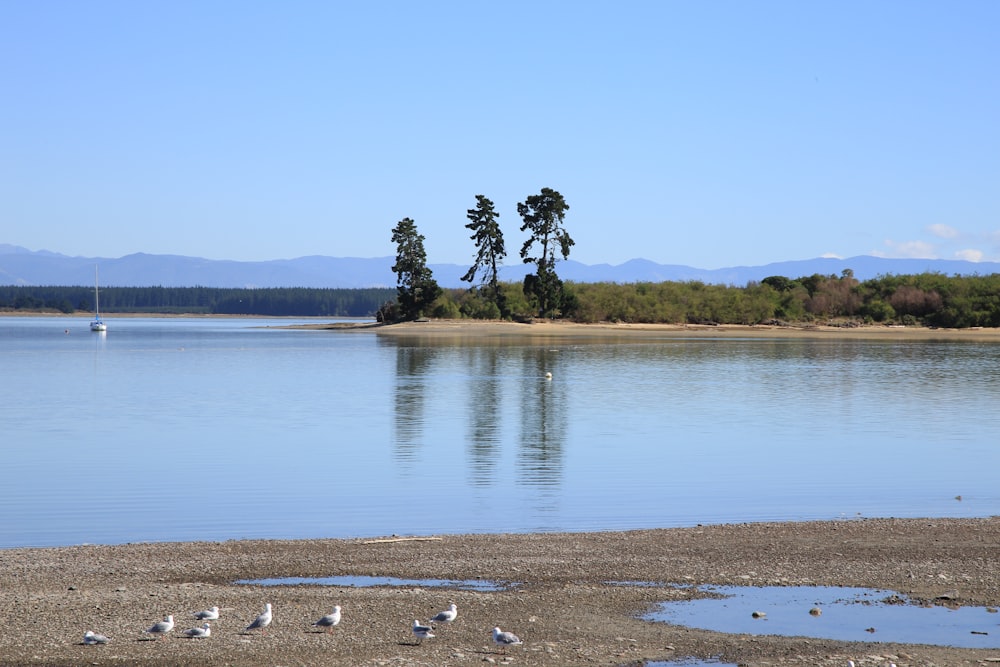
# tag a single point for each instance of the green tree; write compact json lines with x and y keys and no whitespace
{"x":416,"y":288}
{"x":543,"y":216}
{"x":490,"y":249}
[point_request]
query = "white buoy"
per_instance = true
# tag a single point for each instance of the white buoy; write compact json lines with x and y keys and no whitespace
{"x":548,"y":376}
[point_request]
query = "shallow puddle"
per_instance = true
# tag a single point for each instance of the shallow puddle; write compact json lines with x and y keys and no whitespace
{"x":847,"y":614}
{"x":368,"y":582}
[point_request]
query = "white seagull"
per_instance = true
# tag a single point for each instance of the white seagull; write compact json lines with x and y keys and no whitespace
{"x":204,"y":631}
{"x":261,"y":621}
{"x":505,"y":639}
{"x":329,"y":620}
{"x":91,"y":637}
{"x":163,"y":627}
{"x":421,"y":632}
{"x":446,"y":616}
{"x":208,"y":614}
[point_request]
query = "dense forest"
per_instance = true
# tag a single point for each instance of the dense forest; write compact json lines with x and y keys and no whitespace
{"x":294,"y":301}
{"x":928,"y":299}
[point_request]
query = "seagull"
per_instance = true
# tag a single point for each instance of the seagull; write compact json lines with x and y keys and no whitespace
{"x":163,"y":627}
{"x":208,"y":615}
{"x":505,"y":639}
{"x":421,"y":632}
{"x":261,"y":621}
{"x":204,"y":631}
{"x":91,"y":637}
{"x":329,"y":620}
{"x":446,"y":616}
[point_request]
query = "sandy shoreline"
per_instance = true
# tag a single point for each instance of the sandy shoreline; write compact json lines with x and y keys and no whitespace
{"x":606,"y":332}
{"x":563,"y":606}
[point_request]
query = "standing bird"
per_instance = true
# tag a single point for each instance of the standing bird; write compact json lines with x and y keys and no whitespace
{"x":329,"y":620}
{"x":163,"y":627}
{"x":421,"y":632}
{"x":505,"y":639}
{"x":446,"y":616}
{"x":261,"y":621}
{"x":195,"y":633}
{"x":91,"y":637}
{"x":208,"y":615}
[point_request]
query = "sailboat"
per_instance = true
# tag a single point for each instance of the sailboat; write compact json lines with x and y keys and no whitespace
{"x":97,"y":324}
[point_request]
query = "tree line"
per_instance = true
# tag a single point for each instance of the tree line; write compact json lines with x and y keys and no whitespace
{"x":929,"y":299}
{"x":274,"y":301}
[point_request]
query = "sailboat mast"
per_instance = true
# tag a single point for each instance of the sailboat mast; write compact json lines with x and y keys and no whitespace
{"x":97,"y":324}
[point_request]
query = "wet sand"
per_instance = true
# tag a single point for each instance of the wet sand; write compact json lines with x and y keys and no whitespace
{"x":563,"y":606}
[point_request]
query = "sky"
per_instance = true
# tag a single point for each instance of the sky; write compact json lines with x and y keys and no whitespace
{"x":705,"y":133}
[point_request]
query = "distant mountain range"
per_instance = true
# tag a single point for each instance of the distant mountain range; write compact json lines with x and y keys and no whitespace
{"x":19,"y":266}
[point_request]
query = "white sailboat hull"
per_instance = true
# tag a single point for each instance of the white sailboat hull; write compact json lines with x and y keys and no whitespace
{"x":98,"y":324}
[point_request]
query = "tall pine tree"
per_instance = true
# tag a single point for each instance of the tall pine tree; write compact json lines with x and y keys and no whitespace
{"x":543,"y":216}
{"x":490,"y":250}
{"x":416,"y":288}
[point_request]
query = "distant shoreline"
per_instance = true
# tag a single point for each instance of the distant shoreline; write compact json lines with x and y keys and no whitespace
{"x":81,"y":315}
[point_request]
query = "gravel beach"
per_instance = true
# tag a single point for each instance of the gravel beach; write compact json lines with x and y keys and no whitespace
{"x":565,"y":605}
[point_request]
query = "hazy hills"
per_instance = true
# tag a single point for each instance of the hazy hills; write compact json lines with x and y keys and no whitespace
{"x":19,"y":266}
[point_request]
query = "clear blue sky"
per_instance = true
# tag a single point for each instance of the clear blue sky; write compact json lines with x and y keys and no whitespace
{"x":708,"y":133}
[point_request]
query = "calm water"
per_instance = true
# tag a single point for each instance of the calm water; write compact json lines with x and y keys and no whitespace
{"x":190,"y":429}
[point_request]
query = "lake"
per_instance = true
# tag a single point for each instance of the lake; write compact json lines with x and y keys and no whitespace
{"x":169,"y":429}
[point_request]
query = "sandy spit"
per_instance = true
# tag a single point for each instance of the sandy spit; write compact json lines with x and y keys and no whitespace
{"x":564,"y":604}
{"x":477,"y":330}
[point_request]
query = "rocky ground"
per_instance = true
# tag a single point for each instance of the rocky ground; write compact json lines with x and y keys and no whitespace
{"x":564,"y":606}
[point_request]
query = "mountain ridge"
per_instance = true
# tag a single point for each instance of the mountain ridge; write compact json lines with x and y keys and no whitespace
{"x":20,"y":266}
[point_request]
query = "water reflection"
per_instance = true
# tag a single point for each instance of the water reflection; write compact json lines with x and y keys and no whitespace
{"x":692,"y":662}
{"x":361,"y":581}
{"x":830,"y":612}
{"x":413,"y":366}
{"x":543,"y":419}
{"x":485,"y":416}
{"x":506,"y":400}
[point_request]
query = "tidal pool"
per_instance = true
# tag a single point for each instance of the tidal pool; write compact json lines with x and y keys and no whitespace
{"x":847,"y":614}
{"x":691,"y":663}
{"x":368,"y":582}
